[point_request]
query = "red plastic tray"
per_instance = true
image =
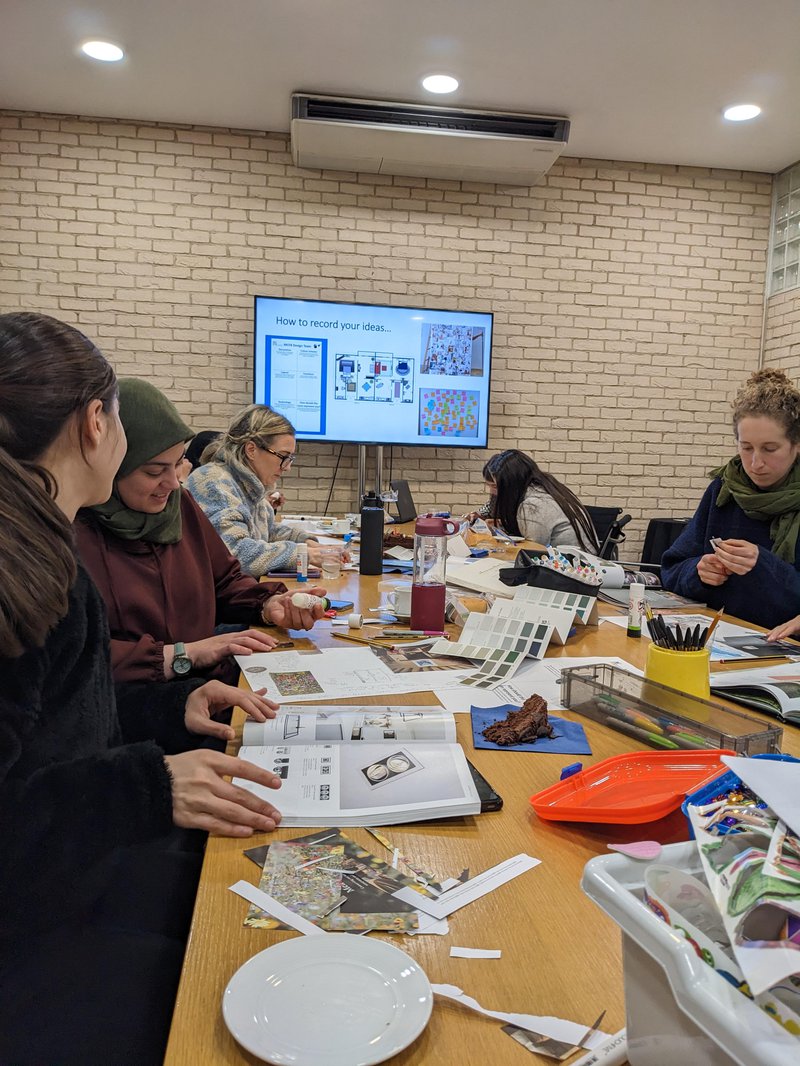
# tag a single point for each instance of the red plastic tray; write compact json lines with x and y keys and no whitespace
{"x":640,"y":787}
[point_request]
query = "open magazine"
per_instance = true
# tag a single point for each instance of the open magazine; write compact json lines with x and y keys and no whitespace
{"x":361,"y":765}
{"x":775,"y":689}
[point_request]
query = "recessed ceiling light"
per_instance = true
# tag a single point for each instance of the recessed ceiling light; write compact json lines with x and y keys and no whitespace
{"x":741,"y":112}
{"x":105,"y":51}
{"x":440,"y":83}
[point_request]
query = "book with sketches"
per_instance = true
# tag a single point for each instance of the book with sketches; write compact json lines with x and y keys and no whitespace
{"x":774,"y":690}
{"x":396,"y":766}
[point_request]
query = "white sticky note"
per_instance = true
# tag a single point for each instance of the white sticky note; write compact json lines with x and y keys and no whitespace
{"x":475,"y":953}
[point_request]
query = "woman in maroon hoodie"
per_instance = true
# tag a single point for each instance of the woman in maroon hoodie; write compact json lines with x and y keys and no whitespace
{"x":166,"y":576}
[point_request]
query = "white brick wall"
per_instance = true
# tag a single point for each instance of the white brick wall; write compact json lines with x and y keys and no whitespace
{"x":627,"y":297}
{"x":782,"y":333}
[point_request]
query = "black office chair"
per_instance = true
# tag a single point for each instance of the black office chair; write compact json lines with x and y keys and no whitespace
{"x":661,"y":534}
{"x":608,"y":525}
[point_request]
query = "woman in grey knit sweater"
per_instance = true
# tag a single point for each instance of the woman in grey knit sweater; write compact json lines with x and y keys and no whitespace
{"x":241,"y":468}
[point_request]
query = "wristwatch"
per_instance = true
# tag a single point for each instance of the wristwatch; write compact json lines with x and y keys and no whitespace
{"x":181,"y":663}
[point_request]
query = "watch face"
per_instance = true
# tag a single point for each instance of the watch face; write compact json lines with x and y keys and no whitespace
{"x":181,"y":664}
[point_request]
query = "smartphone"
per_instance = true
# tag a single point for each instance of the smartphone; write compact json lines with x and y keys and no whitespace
{"x":341,"y":605}
{"x":490,"y":800}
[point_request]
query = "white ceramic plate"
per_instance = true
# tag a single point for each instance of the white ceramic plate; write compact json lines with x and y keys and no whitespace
{"x":333,"y":1000}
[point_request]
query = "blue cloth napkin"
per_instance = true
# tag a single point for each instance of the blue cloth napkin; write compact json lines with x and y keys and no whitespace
{"x":569,"y":739}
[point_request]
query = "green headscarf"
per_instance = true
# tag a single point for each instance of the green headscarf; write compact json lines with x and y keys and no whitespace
{"x":152,"y":425}
{"x":780,"y":506}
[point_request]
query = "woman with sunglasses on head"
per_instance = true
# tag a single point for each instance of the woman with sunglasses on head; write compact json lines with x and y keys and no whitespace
{"x":98,"y":824}
{"x":235,"y":485}
{"x":525,"y":501}
{"x":166,"y":576}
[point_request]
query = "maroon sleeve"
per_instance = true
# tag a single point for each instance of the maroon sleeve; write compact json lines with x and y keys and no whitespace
{"x":138,"y":660}
{"x":240,"y":597}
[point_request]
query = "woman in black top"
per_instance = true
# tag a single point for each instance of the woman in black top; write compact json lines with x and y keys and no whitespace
{"x":96,"y":882}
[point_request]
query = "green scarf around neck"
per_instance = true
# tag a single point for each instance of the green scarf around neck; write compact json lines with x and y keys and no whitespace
{"x":780,"y":506}
{"x":152,"y":425}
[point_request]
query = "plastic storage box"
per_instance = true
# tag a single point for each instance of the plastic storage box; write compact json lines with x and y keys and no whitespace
{"x":679,"y":1010}
{"x":663,"y":717}
{"x":723,"y":783}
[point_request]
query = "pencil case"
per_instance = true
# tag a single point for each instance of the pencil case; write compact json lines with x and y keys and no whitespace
{"x":526,"y":572}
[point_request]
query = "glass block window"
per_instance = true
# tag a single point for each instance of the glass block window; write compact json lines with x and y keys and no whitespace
{"x":784,"y":258}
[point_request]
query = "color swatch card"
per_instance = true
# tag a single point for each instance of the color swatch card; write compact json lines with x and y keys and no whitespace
{"x":560,"y":618}
{"x":582,"y":605}
{"x":500,"y":644}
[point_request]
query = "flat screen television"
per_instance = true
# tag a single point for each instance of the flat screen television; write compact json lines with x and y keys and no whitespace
{"x":372,"y":374}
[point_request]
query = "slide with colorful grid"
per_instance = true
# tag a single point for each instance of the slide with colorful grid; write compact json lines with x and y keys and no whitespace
{"x":448,"y":413}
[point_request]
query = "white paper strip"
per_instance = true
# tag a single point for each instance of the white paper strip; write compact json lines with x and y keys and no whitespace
{"x":475,"y":953}
{"x":471,"y":890}
{"x":266,"y":903}
{"x":555,"y":1028}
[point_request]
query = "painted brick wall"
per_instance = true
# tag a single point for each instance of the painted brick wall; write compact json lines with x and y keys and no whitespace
{"x":627,"y":297}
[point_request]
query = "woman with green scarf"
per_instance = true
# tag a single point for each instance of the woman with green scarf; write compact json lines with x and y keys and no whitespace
{"x":740,"y":551}
{"x":165,"y":575}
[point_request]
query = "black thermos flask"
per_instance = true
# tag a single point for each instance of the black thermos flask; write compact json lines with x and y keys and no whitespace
{"x":371,"y":550}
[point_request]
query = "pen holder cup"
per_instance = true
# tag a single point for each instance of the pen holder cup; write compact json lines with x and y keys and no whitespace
{"x":683,"y":670}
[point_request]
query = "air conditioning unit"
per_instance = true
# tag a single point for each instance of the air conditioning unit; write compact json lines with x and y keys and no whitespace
{"x":378,"y":137}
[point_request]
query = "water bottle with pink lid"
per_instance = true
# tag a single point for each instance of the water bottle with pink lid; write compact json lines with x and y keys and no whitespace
{"x":430,"y":561}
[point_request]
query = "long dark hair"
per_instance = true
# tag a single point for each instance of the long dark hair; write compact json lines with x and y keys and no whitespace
{"x":514,"y":472}
{"x":48,"y":373}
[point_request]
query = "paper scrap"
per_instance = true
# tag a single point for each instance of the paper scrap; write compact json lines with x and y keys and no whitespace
{"x":475,"y":953}
{"x":555,"y":1028}
{"x":266,"y":903}
{"x":438,"y":926}
{"x":469,"y":891}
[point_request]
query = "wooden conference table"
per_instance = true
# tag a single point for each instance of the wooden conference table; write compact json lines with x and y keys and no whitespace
{"x":560,"y":954}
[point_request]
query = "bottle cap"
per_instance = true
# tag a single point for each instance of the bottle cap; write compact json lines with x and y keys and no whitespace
{"x":431,"y":526}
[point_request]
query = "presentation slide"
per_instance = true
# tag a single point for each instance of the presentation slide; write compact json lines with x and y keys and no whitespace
{"x":372,"y":374}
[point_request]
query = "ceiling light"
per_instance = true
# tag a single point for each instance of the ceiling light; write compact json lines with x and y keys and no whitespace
{"x":105,"y":51}
{"x":741,"y":112}
{"x":439,"y":83}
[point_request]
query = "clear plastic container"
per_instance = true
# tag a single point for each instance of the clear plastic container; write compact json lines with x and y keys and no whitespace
{"x":662,"y":717}
{"x":679,"y":1010}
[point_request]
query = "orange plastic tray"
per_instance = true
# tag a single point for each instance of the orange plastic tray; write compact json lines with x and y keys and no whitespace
{"x":640,"y":787}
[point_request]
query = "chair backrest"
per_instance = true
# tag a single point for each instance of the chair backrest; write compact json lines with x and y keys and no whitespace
{"x":608,"y":524}
{"x":661,"y":533}
{"x":198,"y":445}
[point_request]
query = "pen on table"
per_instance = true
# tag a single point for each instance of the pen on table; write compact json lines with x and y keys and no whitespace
{"x":357,"y":640}
{"x":758,"y":659}
{"x":413,"y":633}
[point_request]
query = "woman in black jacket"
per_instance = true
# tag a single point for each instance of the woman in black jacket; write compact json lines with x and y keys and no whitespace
{"x":97,"y":882}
